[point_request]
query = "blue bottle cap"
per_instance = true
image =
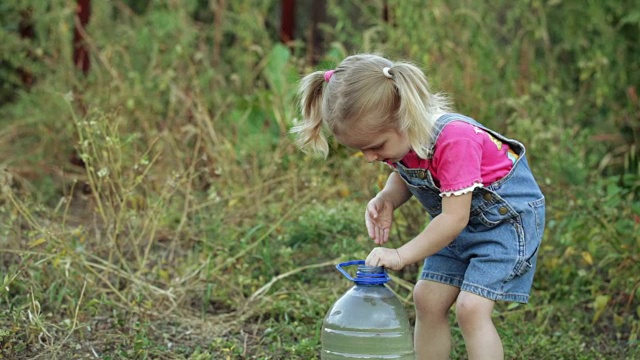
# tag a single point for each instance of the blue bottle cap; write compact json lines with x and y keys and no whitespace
{"x":366,"y":275}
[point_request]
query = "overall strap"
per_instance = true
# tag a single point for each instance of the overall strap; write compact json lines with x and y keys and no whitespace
{"x":440,"y":123}
{"x":445,"y":119}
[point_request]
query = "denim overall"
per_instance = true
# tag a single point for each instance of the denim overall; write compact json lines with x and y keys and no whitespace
{"x":495,"y":255}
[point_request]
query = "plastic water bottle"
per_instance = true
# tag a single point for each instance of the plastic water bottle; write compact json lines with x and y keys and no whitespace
{"x":368,"y":321}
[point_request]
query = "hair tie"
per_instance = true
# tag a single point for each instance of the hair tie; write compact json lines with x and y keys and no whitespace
{"x":328,"y":74}
{"x":386,"y":73}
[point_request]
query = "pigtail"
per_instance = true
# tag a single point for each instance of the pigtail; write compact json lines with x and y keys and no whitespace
{"x":309,"y":131}
{"x":418,"y":106}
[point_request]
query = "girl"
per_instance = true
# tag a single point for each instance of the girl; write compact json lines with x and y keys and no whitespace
{"x":487,"y":212}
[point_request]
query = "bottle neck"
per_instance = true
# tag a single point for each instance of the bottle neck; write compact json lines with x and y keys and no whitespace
{"x":366,"y":270}
{"x":371,"y":275}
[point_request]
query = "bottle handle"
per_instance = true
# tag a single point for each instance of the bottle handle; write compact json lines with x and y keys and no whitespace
{"x":348,"y":263}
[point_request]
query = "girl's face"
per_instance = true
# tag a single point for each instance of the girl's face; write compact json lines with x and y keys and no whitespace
{"x":388,"y":146}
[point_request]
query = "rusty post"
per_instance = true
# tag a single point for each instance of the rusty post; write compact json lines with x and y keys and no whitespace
{"x":287,"y":22}
{"x":80,"y":49}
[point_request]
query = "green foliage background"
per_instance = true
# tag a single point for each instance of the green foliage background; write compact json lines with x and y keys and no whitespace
{"x":197,"y":230}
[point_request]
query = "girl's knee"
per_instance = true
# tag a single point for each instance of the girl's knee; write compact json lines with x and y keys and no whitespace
{"x":433,"y":299}
{"x":421,"y":300}
{"x":472,"y":310}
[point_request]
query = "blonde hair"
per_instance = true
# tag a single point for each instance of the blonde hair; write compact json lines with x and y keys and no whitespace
{"x":359,"y":90}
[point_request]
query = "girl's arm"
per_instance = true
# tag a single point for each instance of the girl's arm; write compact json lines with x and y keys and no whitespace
{"x":440,"y":232}
{"x":395,"y":191}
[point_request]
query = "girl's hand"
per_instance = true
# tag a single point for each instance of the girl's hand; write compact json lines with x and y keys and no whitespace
{"x":389,"y":258}
{"x":378,"y":218}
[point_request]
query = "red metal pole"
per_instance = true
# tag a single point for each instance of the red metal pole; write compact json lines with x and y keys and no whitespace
{"x":287,"y":23}
{"x":80,"y":49}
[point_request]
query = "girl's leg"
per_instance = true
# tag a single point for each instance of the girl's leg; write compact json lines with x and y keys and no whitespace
{"x":432,"y":339}
{"x":480,"y":335}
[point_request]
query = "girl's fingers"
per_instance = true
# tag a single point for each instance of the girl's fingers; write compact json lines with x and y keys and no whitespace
{"x":368,"y":221}
{"x":372,"y":259}
{"x":385,"y":235}
{"x":375,"y":231}
{"x":370,"y":230}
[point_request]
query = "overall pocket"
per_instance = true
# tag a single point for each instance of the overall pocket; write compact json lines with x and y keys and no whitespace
{"x":539,"y":211}
{"x":488,"y":210}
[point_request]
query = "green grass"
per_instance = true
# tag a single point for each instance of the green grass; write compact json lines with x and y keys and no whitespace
{"x":196,"y":229}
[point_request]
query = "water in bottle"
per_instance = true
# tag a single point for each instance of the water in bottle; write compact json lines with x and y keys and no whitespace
{"x":368,"y":321}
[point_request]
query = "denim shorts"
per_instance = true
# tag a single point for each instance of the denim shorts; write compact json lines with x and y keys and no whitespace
{"x":477,"y":263}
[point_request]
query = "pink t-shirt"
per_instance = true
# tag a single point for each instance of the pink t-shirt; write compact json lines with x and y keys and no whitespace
{"x":465,"y":157}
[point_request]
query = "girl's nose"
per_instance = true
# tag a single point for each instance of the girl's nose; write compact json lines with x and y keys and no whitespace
{"x":369,"y":155}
